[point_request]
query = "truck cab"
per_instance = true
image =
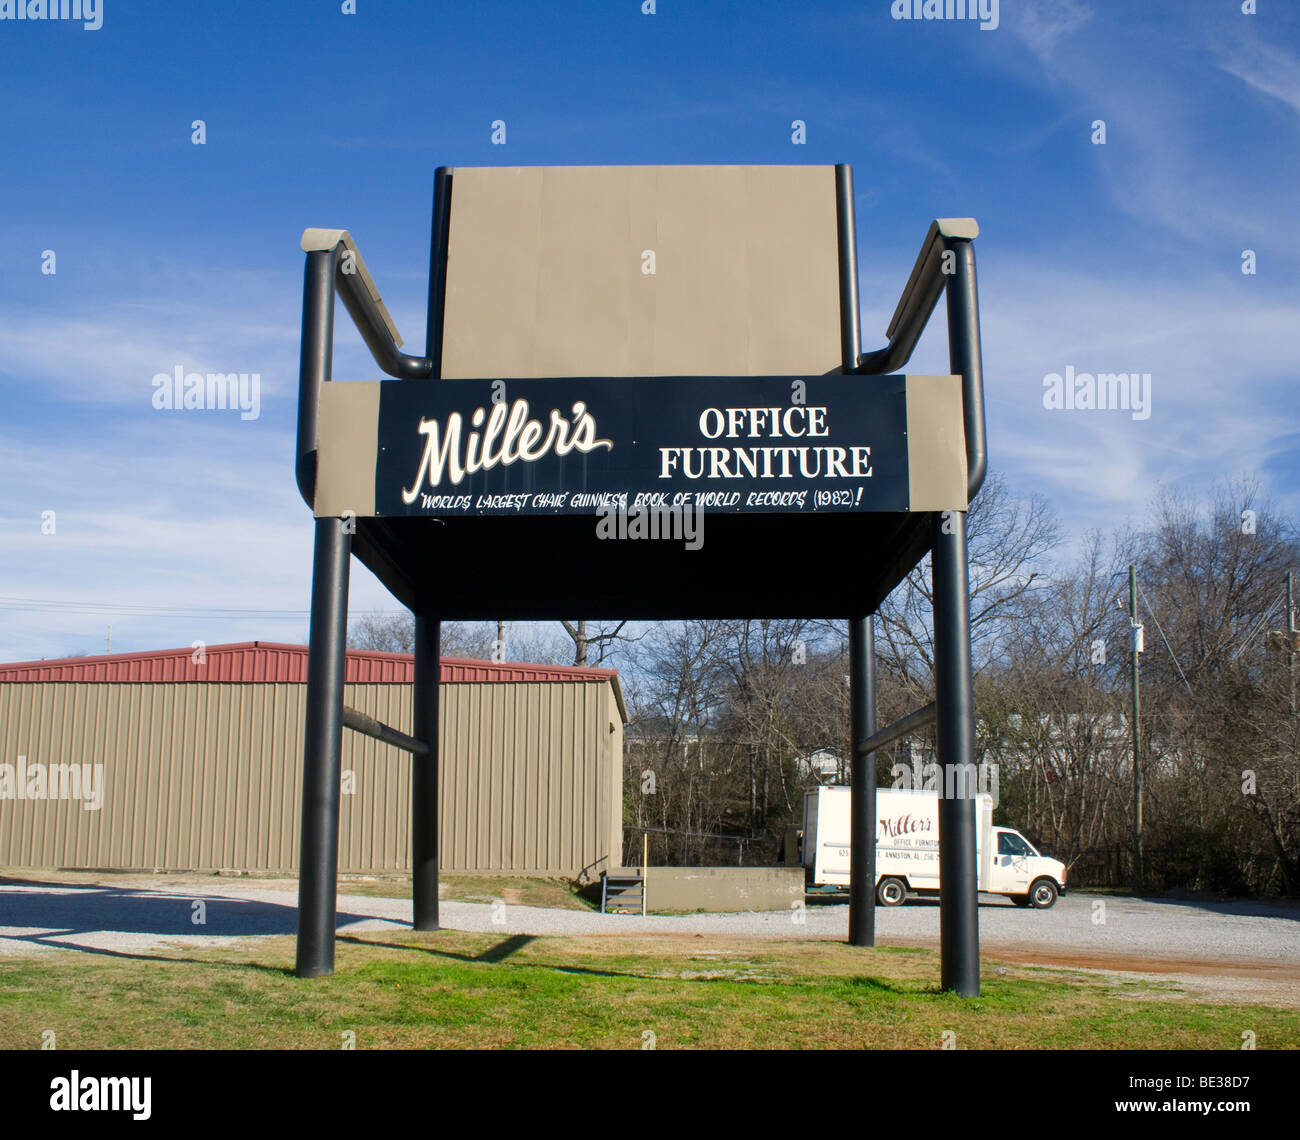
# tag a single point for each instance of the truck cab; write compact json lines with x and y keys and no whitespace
{"x":1020,"y":872}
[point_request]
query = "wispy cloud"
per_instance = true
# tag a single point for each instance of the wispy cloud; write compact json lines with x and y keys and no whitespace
{"x":1150,"y":74}
{"x":1044,"y":24}
{"x":1266,"y":68}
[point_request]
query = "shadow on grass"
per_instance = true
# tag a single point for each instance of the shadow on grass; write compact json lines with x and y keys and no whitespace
{"x":493,"y":954}
{"x":502,"y":951}
{"x":125,"y":955}
{"x":879,"y":985}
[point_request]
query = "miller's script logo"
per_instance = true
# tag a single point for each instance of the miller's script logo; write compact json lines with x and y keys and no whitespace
{"x":508,"y":437}
{"x":902,"y":825}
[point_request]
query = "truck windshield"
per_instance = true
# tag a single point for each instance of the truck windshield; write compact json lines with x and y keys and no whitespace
{"x":1009,"y":843}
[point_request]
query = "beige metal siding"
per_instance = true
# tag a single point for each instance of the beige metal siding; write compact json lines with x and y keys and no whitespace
{"x":208,"y":776}
{"x":374,"y":818}
{"x":525,"y":777}
{"x":193,"y":775}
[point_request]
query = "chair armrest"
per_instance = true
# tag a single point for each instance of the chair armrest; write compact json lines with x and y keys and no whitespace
{"x":920,"y":295}
{"x":364,"y":304}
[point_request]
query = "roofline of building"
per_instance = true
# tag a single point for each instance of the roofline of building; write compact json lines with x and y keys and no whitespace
{"x":572,"y":672}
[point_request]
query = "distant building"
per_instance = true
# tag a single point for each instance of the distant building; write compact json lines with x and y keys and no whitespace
{"x":825,"y":766}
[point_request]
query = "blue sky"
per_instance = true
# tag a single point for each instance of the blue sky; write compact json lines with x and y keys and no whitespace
{"x":1123,"y":257}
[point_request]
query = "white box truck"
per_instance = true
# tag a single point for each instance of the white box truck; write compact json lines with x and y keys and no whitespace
{"x":907,"y":848}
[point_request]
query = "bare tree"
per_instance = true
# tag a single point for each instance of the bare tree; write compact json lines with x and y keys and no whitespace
{"x":382,"y":632}
{"x":726,"y":715}
{"x":388,"y":632}
{"x":1220,"y":758}
{"x":671,"y":781}
{"x":1213,"y":575}
{"x":600,"y":640}
{"x":1221,"y":747}
{"x":1050,"y":712}
{"x":1009,"y":537}
{"x":533,"y":641}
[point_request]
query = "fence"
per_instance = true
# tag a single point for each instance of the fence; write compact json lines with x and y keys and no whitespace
{"x":673,"y":847}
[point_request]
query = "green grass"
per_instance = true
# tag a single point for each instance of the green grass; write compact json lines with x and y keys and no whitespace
{"x":449,"y":990}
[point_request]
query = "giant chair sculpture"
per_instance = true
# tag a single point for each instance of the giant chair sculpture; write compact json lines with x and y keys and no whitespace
{"x":676,"y":330}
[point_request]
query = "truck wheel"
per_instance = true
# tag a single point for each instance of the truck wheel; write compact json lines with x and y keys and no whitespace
{"x":1019,"y":900}
{"x":1042,"y":894}
{"x":891,"y":892}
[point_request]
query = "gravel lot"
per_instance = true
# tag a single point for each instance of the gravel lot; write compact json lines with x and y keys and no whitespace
{"x":1251,"y":950}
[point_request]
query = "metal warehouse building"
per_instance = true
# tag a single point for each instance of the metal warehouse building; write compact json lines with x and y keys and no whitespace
{"x":192,"y":760}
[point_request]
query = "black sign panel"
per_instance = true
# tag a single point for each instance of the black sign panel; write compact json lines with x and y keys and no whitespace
{"x":582,"y":446}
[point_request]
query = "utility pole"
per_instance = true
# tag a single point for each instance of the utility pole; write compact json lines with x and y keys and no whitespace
{"x":1290,"y":641}
{"x":1135,"y":647}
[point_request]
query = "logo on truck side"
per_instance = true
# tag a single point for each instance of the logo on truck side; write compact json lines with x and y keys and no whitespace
{"x":903,"y":825}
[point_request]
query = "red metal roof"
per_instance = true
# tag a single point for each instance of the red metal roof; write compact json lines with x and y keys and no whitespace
{"x":253,"y":661}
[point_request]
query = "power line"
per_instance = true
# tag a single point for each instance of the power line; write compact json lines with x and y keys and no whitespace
{"x":52,"y":605}
{"x":1164,"y":639}
{"x":1259,"y":626}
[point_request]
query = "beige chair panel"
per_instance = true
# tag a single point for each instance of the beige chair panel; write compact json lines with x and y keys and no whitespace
{"x":546,"y":272}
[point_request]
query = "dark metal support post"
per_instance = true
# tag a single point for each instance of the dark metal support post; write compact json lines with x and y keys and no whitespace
{"x":959,"y":938}
{"x":954,"y":696}
{"x":862,"y":797}
{"x":862,"y":646}
{"x":322,"y":748}
{"x":424,"y":774}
